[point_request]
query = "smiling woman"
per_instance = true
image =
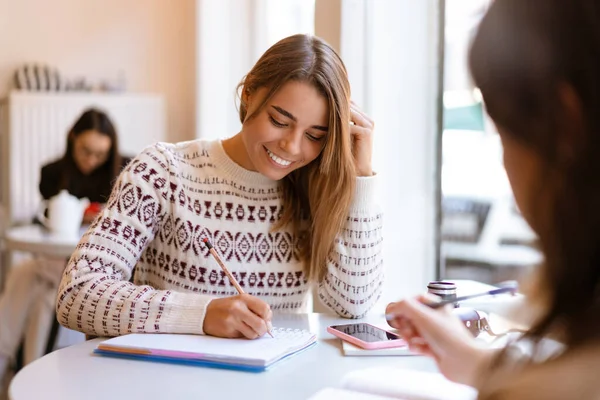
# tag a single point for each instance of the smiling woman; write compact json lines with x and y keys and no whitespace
{"x":288,"y":203}
{"x":286,"y":134}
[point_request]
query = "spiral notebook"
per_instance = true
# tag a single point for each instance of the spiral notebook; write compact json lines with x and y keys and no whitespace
{"x":240,"y":354}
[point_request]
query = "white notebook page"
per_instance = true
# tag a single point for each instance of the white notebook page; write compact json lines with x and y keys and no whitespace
{"x":406,"y":384}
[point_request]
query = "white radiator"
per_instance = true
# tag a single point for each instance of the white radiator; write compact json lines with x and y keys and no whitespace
{"x":33,"y":132}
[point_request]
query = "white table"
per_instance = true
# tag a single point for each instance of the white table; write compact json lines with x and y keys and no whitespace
{"x":40,"y":241}
{"x":37,"y":239}
{"x":74,"y":373}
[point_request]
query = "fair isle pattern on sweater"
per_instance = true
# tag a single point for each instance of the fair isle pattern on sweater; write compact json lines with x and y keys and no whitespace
{"x":163,"y":205}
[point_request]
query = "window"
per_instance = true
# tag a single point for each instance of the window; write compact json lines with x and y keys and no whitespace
{"x":483,"y":236}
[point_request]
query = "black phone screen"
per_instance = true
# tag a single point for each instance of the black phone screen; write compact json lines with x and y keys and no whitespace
{"x":366,"y":333}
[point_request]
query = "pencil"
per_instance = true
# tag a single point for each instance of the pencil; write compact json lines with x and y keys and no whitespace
{"x":494,"y":292}
{"x":508,"y":289}
{"x":233,"y":281}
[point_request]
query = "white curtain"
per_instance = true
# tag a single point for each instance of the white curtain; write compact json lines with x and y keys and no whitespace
{"x":231,"y":36}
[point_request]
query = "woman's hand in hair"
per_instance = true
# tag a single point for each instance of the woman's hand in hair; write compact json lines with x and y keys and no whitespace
{"x":361,"y":130}
{"x":237,"y":316}
{"x":441,"y":335}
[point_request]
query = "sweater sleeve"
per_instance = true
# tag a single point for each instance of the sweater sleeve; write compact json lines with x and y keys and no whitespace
{"x":354,"y":278}
{"x":95,"y":295}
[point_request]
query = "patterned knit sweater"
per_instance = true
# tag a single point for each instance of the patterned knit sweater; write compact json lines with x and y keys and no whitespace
{"x":164,"y":203}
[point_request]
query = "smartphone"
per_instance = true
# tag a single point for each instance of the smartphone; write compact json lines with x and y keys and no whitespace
{"x":367,"y":336}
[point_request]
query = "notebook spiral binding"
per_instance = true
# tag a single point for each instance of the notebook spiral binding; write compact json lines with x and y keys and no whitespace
{"x":290,"y":331}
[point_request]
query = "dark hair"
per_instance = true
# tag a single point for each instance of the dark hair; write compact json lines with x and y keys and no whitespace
{"x":526,"y":55}
{"x":321,"y":191}
{"x":92,"y":120}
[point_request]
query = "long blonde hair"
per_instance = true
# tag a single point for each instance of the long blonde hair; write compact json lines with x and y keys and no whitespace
{"x":321,"y":192}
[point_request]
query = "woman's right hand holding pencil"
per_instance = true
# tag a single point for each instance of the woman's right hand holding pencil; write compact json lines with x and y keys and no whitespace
{"x":237,"y":316}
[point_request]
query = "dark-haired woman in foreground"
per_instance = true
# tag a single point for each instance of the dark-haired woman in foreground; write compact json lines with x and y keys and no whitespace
{"x":537,"y":63}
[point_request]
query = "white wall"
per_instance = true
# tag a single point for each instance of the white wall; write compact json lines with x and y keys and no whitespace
{"x":151,"y":41}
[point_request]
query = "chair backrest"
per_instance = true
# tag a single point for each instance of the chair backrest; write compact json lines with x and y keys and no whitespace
{"x":33,"y":129}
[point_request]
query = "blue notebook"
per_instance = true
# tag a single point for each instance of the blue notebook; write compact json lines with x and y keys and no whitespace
{"x":208,"y":351}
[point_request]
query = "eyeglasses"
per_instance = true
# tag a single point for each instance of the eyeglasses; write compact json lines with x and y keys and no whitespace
{"x":85,"y":152}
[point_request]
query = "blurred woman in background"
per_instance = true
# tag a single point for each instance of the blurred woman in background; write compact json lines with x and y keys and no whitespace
{"x":88,"y":169}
